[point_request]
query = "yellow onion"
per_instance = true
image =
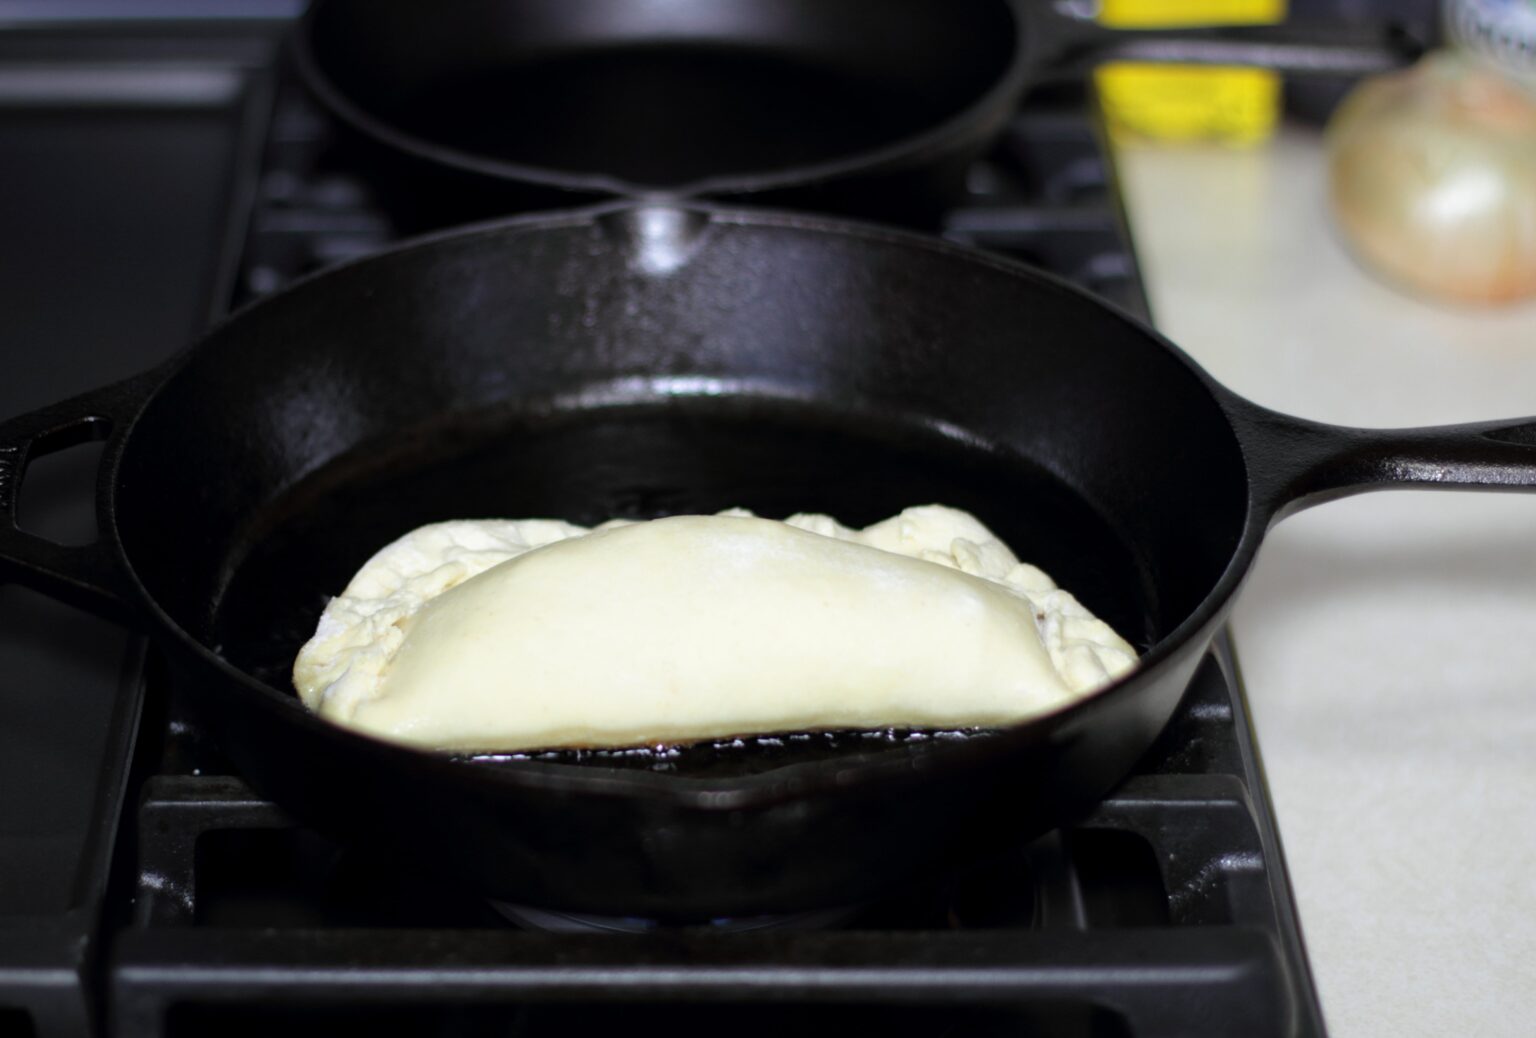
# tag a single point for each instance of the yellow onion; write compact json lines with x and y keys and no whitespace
{"x":1432,"y":178}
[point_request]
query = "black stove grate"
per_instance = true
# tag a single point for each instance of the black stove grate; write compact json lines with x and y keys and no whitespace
{"x":1045,"y":195}
{"x":1164,"y":913}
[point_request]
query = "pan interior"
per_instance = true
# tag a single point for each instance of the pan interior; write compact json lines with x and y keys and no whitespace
{"x":643,"y":460}
{"x":663,"y":94}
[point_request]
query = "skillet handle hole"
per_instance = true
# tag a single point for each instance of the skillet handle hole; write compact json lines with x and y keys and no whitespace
{"x":56,"y":500}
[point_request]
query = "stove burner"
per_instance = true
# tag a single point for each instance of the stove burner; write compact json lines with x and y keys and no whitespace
{"x":1006,"y":891}
{"x":547,"y":920}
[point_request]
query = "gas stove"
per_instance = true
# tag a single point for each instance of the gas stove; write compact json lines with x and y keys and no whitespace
{"x":145,"y":890}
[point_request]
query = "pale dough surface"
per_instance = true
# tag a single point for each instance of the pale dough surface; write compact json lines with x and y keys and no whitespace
{"x":503,"y":635}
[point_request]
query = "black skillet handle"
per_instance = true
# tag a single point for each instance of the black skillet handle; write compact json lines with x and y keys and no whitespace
{"x":1295,"y":464}
{"x":88,"y":576}
{"x":1064,"y":39}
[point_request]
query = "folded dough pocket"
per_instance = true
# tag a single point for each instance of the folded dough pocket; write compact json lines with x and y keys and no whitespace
{"x":699,"y":627}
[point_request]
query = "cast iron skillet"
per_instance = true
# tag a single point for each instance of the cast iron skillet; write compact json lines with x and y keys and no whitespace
{"x":480,"y":108}
{"x":497,"y":106}
{"x":632,"y":360}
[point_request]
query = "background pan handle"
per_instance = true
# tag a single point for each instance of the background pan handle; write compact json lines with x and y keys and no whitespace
{"x":1064,"y":38}
{"x":1295,"y":464}
{"x":88,"y":576}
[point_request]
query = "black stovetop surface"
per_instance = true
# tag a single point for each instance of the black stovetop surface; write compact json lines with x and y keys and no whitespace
{"x":145,"y":890}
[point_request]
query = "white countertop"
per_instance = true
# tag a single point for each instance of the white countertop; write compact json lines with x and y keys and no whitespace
{"x":1388,"y":642}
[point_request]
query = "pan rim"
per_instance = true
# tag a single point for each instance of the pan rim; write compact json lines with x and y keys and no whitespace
{"x":788,"y":782}
{"x":899,"y":152}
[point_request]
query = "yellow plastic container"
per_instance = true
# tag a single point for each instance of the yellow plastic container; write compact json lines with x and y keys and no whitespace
{"x":1228,"y":105}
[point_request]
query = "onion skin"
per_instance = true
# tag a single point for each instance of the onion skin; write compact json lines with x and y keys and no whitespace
{"x":1432,"y":180}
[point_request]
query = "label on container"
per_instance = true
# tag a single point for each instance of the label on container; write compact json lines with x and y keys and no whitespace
{"x":1188,"y":103}
{"x":1231,"y":105}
